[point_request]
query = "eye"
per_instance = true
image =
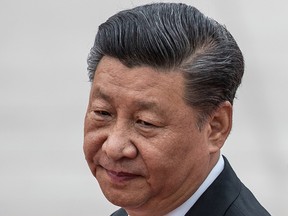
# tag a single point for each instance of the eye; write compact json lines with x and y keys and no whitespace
{"x":102,"y":114}
{"x":145,"y":123}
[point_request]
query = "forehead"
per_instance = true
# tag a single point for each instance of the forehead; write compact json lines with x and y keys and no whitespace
{"x":111,"y":75}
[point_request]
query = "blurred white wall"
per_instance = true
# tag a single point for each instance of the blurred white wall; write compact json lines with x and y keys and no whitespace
{"x":44,"y":90}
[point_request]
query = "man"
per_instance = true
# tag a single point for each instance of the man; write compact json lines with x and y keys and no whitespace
{"x":164,"y":77}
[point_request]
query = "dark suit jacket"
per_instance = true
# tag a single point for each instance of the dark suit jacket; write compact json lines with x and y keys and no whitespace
{"x":226,"y":196}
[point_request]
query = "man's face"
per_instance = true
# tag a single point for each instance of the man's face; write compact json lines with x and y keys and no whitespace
{"x":141,"y":140}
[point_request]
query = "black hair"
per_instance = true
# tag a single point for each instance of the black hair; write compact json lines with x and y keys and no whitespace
{"x":178,"y":37}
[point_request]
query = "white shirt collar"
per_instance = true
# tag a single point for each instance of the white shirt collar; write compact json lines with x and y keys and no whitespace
{"x":184,"y":208}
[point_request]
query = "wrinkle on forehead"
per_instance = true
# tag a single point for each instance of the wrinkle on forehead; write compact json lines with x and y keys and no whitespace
{"x":145,"y":83}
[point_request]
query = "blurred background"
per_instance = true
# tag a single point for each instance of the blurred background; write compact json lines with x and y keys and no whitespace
{"x":44,"y":91}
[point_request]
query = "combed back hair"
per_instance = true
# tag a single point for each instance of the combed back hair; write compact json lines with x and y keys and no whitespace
{"x":175,"y":37}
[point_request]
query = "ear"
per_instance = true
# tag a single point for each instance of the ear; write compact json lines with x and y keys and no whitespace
{"x":220,"y":126}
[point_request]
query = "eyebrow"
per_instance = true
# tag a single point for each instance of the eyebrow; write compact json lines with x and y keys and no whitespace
{"x":141,"y":105}
{"x":98,"y":93}
{"x":147,"y":105}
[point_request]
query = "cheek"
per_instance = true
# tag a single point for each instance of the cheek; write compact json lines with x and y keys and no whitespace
{"x":165,"y":174}
{"x":93,"y":140}
{"x":173,"y":157}
{"x":161,"y":159}
{"x":91,"y":147}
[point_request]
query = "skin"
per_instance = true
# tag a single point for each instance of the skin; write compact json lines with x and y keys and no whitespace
{"x":141,"y":139}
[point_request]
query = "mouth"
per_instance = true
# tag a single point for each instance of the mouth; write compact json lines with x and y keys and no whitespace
{"x":120,"y":176}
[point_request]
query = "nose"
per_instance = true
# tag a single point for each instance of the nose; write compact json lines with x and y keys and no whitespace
{"x":119,"y":145}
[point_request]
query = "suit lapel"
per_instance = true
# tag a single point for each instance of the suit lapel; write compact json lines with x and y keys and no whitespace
{"x":219,"y":195}
{"x":120,"y":212}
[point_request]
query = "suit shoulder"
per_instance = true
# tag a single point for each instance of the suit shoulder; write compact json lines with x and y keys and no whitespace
{"x":120,"y":212}
{"x":246,"y":204}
